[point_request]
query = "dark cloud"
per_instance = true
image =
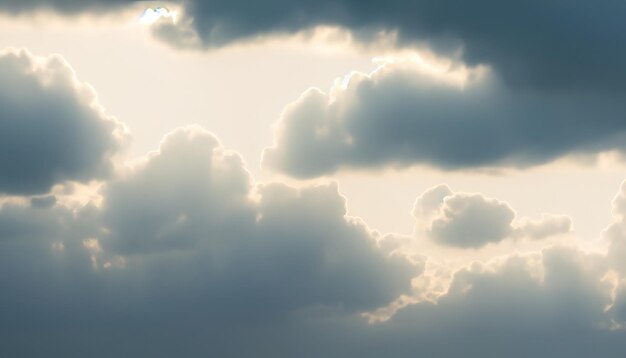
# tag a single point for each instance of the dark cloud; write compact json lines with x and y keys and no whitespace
{"x":560,"y":45}
{"x":556,"y":45}
{"x":276,"y":271}
{"x":405,"y":113}
{"x":51,"y":126}
{"x":70,"y":7}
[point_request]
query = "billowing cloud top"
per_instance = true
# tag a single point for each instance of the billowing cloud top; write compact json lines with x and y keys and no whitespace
{"x":408,"y":113}
{"x":195,"y":252}
{"x":554,"y":85}
{"x":52,"y":128}
{"x":472,"y":220}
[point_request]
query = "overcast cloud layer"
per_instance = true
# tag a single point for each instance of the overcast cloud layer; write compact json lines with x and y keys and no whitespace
{"x":558,"y":45}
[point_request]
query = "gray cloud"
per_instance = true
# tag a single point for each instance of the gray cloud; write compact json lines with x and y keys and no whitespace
{"x":555,"y":46}
{"x":291,"y":248}
{"x":189,"y":188}
{"x":561,"y":45}
{"x":191,"y":244}
{"x":538,"y":306}
{"x":556,"y":87}
{"x":282,"y":272}
{"x":51,"y":126}
{"x":70,"y":7}
{"x":616,"y":232}
{"x":430,"y":201}
{"x":405,"y":114}
{"x":548,"y":225}
{"x":473,"y":220}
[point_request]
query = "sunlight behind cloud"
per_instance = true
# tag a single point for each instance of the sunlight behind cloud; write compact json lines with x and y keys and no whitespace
{"x":152,"y":15}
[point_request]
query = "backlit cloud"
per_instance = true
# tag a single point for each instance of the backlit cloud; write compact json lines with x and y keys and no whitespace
{"x":52,"y":128}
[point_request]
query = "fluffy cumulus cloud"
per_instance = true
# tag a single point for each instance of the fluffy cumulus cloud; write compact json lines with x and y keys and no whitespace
{"x":555,"y":86}
{"x":199,"y":259}
{"x":409,"y":112}
{"x":191,"y":244}
{"x":473,"y":220}
{"x":52,"y":128}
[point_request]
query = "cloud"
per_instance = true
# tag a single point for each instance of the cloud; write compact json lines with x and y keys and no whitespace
{"x":550,"y":304}
{"x":548,"y":225}
{"x":409,"y":112}
{"x":186,"y":253}
{"x":562,"y":45}
{"x":615,"y":234}
{"x":473,"y":220}
{"x":52,"y":128}
{"x":185,"y":235}
{"x":190,"y":188}
{"x":66,"y":7}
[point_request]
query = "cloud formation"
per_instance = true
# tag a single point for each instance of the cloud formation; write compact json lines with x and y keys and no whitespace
{"x":473,"y":220}
{"x":555,"y":88}
{"x":557,"y":46}
{"x":408,"y":113}
{"x":52,"y":128}
{"x":65,"y":7}
{"x":561,"y":45}
{"x":200,"y":250}
{"x":185,"y":254}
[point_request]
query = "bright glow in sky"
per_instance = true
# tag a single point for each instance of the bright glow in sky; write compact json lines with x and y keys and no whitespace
{"x":151,"y":15}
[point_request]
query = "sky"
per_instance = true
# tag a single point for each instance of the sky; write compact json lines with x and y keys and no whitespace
{"x":312,"y":179}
